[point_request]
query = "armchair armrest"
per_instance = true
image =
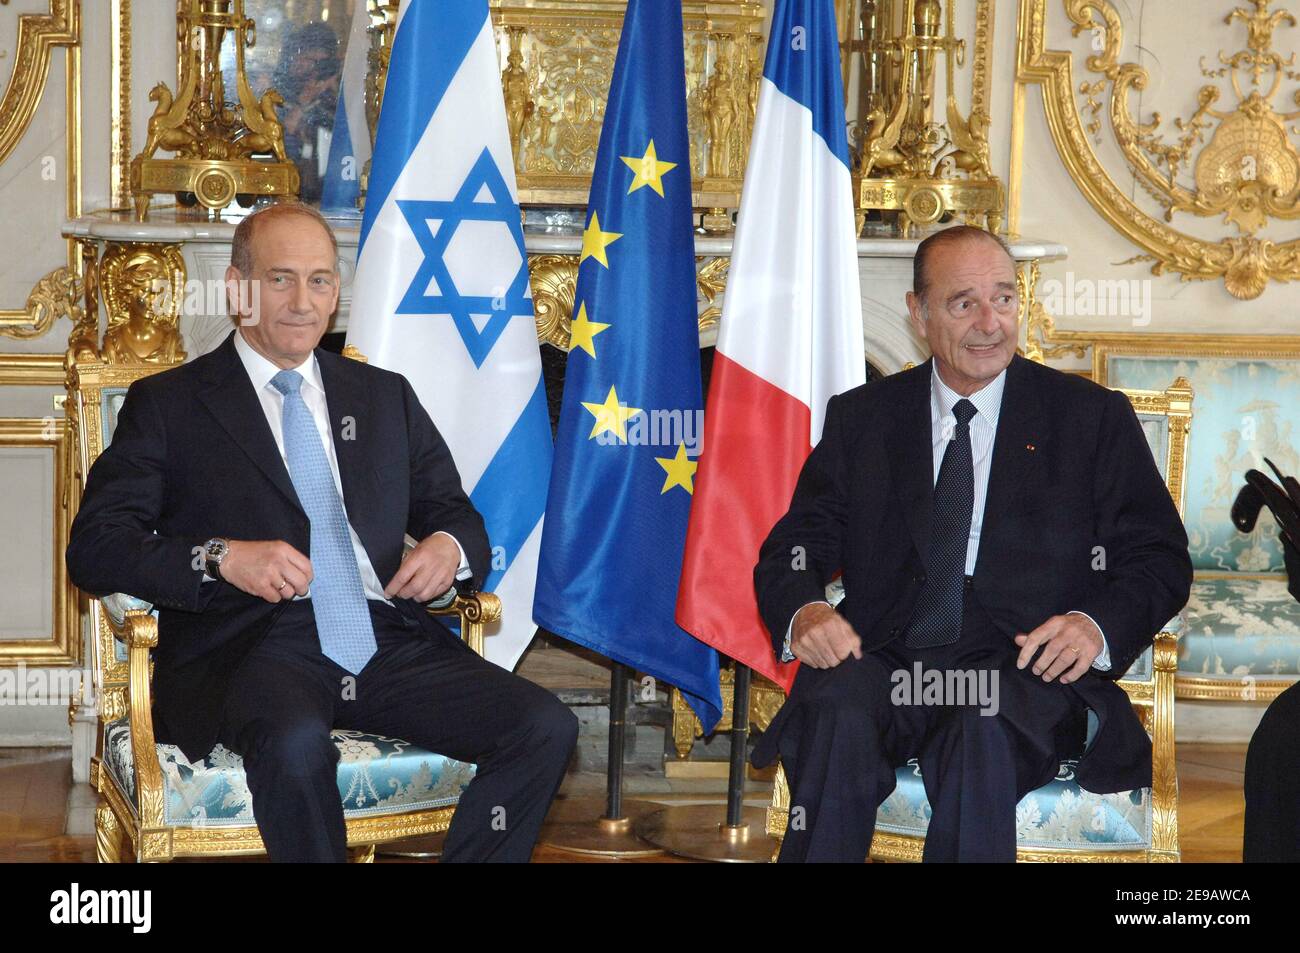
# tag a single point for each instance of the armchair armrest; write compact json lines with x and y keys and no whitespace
{"x":1164,"y":780}
{"x":139,"y":631}
{"x":474,"y":610}
{"x":118,"y":604}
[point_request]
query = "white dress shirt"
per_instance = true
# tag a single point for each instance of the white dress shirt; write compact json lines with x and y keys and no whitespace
{"x":983,"y":431}
{"x":260,"y":371}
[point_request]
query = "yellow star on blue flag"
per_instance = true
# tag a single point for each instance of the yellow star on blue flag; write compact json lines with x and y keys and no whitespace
{"x":648,"y":170}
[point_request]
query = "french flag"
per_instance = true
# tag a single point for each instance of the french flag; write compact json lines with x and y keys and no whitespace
{"x":790,"y":336}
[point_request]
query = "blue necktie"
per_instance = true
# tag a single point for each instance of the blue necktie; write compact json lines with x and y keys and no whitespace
{"x":338,"y":600}
{"x":938,"y":614}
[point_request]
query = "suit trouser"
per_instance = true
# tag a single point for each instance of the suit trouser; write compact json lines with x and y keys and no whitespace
{"x":847,"y":736}
{"x":1272,"y":784}
{"x":435,"y":693}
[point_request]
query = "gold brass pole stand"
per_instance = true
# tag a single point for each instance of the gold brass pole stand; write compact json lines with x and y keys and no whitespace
{"x":737,"y":835}
{"x":701,"y":832}
{"x":583,"y":826}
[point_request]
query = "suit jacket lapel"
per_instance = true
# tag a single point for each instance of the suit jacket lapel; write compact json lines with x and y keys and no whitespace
{"x":230,"y":398}
{"x":1018,"y":451}
{"x":348,"y":404}
{"x":911,"y":456}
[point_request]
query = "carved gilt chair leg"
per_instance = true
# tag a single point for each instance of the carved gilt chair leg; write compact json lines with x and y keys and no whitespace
{"x":110,"y":839}
{"x":363,"y":854}
{"x":684,"y":733}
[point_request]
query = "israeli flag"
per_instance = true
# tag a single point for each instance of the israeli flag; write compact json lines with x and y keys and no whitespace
{"x":441,"y":291}
{"x":350,"y":137}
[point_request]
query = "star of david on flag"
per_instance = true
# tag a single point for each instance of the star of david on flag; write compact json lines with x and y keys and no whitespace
{"x":483,"y":197}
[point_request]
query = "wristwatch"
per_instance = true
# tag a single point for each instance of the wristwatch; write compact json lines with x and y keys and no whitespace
{"x":214,"y":551}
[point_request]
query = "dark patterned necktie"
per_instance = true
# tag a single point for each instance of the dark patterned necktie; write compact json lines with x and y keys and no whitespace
{"x":937,"y":618}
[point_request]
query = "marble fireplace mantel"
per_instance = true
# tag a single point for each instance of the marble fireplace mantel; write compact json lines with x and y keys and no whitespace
{"x":884,"y":269}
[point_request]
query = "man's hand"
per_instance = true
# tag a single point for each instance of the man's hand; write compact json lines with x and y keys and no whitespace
{"x":427,"y":571}
{"x":822,"y":638}
{"x":1071,"y":643}
{"x":269,"y":569}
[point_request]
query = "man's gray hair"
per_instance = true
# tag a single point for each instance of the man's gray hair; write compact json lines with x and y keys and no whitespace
{"x":949,"y":236}
{"x":241,"y":248}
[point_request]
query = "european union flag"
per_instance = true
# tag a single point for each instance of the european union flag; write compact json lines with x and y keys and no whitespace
{"x":631,"y":420}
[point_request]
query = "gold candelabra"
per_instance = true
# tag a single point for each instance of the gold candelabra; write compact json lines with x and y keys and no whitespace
{"x":909,"y":165}
{"x":381,"y":49}
{"x":215,"y":143}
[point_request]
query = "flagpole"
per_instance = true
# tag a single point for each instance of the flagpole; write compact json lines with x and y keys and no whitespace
{"x":739,"y":747}
{"x":736,"y":835}
{"x":618,"y":681}
{"x":578,"y":825}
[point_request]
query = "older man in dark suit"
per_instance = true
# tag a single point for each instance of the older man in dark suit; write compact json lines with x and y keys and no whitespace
{"x":259,"y":496}
{"x":990,"y":516}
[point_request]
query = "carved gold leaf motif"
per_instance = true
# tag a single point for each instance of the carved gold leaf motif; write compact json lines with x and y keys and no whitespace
{"x":1231,"y":158}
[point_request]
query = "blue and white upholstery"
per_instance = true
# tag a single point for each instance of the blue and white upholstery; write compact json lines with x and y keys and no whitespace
{"x":1242,"y":638}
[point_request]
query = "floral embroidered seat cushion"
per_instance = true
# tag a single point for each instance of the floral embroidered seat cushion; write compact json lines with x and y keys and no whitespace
{"x":376,"y":776}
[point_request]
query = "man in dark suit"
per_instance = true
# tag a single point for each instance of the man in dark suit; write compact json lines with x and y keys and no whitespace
{"x":259,"y":496}
{"x":995,"y":520}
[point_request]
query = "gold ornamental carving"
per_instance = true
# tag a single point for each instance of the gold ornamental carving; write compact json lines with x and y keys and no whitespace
{"x":710,"y":282}
{"x":144,"y":287}
{"x":119,"y":15}
{"x":38,"y":35}
{"x":1230,"y":159}
{"x":83,"y":342}
{"x":55,"y":296}
{"x":216,"y":143}
{"x":109,"y":836}
{"x":515,"y":89}
{"x":554,"y":279}
{"x":1040,"y":327}
{"x":381,"y":33}
{"x":765,"y":700}
{"x":558,"y":58}
{"x":915,"y":165}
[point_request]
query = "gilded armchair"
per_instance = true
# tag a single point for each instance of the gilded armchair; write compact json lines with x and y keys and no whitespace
{"x":155,"y":805}
{"x":1060,"y":821}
